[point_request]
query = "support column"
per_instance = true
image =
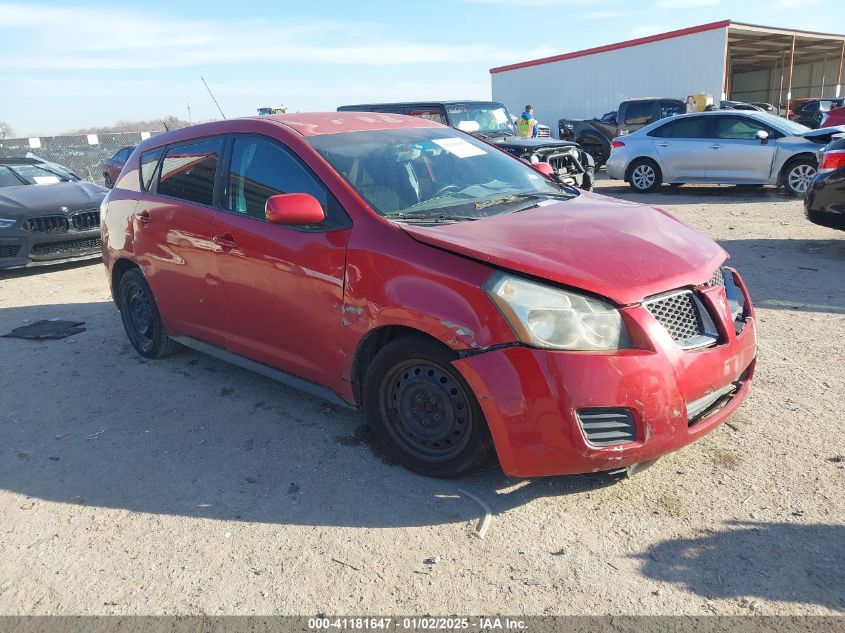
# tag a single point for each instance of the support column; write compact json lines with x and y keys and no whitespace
{"x":839,"y":74}
{"x":789,"y":85}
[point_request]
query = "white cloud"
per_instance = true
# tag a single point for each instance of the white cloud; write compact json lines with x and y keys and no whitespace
{"x":124,"y":40}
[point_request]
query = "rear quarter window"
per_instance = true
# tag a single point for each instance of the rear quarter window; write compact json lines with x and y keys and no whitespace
{"x":149,"y":163}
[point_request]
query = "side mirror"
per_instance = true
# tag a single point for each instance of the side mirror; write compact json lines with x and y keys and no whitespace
{"x":762,"y":136}
{"x":544,"y":168}
{"x":293,"y":209}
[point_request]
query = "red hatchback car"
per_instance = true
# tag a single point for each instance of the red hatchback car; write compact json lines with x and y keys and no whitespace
{"x":112,"y":166}
{"x":467,"y":303}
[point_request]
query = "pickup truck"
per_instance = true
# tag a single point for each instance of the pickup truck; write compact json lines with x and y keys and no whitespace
{"x":594,"y":135}
{"x":491,"y":122}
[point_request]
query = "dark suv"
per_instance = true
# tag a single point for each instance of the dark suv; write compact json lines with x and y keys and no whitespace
{"x":810,"y":113}
{"x":490,"y":121}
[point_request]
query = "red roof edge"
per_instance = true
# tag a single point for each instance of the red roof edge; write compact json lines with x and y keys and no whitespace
{"x":613,"y":47}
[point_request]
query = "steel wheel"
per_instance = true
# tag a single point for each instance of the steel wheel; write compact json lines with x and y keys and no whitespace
{"x":141,"y":318}
{"x":428,"y":411}
{"x":799,"y":177}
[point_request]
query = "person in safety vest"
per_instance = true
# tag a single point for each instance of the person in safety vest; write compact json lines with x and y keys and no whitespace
{"x":527,"y":124}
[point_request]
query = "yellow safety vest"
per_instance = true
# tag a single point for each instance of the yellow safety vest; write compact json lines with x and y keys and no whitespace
{"x":526,"y":127}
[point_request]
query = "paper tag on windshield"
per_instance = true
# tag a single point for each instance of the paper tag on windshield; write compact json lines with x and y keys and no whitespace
{"x":459,"y":147}
{"x":45,"y":180}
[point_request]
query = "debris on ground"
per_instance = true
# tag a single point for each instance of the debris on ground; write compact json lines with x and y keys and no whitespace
{"x":484,"y":523}
{"x":47,"y":329}
{"x":434,"y":560}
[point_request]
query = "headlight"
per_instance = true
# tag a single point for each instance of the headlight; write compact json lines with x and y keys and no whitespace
{"x":6,"y":223}
{"x":558,"y":319}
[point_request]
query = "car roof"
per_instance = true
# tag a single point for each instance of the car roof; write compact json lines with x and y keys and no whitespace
{"x":20,"y":160}
{"x":422,"y":102}
{"x":319,"y":123}
{"x":301,"y":123}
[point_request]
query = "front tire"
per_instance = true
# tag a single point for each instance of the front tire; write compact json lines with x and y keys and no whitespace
{"x":644,"y":176}
{"x":797,"y":176}
{"x":141,"y":318}
{"x":423,"y":411}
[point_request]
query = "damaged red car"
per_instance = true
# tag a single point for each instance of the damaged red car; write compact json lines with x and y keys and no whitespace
{"x":472,"y":307}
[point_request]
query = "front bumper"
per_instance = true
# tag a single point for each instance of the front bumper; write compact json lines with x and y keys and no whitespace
{"x":530,"y":397}
{"x":21,"y":249}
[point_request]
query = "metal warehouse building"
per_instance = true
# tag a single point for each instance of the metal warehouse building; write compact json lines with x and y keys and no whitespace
{"x":727,"y":60}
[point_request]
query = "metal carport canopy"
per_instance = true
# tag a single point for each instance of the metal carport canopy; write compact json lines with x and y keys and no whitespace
{"x":753,"y":47}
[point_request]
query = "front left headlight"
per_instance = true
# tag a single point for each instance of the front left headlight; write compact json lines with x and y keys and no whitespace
{"x":6,"y":223}
{"x":552,"y":318}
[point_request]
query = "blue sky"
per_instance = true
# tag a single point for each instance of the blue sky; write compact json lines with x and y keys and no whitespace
{"x":74,"y":64}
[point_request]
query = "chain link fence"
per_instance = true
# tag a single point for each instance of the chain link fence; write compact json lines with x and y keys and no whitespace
{"x":83,"y":154}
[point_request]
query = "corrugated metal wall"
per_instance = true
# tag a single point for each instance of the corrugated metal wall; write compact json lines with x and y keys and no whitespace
{"x":589,"y":86}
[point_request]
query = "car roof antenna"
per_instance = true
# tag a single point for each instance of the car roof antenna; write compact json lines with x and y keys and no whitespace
{"x":212,"y":97}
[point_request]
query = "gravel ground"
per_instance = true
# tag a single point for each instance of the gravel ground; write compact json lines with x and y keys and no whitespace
{"x":187,"y":485}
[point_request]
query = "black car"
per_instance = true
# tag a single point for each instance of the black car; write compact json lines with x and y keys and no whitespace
{"x":810,"y":112}
{"x":47,"y":214}
{"x":491,"y":122}
{"x":824,"y":203}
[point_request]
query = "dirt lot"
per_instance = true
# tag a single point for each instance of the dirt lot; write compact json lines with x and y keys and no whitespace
{"x":186,"y":485}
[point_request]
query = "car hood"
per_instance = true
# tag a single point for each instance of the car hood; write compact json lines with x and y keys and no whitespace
{"x":526,"y":144}
{"x":620,"y":250}
{"x":31,"y":200}
{"x":822,"y":134}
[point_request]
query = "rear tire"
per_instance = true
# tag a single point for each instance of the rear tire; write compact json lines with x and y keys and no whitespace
{"x":644,"y":176}
{"x":797,"y":176}
{"x":423,"y":411}
{"x":141,"y":318}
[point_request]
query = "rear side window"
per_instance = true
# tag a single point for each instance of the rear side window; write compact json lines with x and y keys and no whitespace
{"x":260,"y":169}
{"x":149,"y":162}
{"x":671,"y":108}
{"x":430,"y":114}
{"x":188,"y":171}
{"x":694,"y":127}
{"x":638,"y":112}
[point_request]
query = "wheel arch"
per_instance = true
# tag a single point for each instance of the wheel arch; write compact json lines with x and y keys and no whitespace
{"x":120,"y":267}
{"x":792,"y":159}
{"x":375,"y":340}
{"x":633,"y":163}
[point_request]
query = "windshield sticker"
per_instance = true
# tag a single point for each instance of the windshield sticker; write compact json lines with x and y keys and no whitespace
{"x":459,"y":147}
{"x":45,"y":180}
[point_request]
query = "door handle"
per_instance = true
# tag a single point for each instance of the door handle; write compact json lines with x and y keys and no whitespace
{"x":663,"y":144}
{"x":225,"y":242}
{"x":144,"y":218}
{"x":716,"y":146}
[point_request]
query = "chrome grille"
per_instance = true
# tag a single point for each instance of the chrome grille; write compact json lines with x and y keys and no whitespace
{"x":718,"y":278}
{"x":678,"y":314}
{"x":46,"y":224}
{"x":86,"y":220}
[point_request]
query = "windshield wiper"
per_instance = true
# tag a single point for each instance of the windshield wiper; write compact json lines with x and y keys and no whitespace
{"x":429,"y":217}
{"x":494,"y":202}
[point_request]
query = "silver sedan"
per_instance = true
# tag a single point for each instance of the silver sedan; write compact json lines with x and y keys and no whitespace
{"x":724,"y":147}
